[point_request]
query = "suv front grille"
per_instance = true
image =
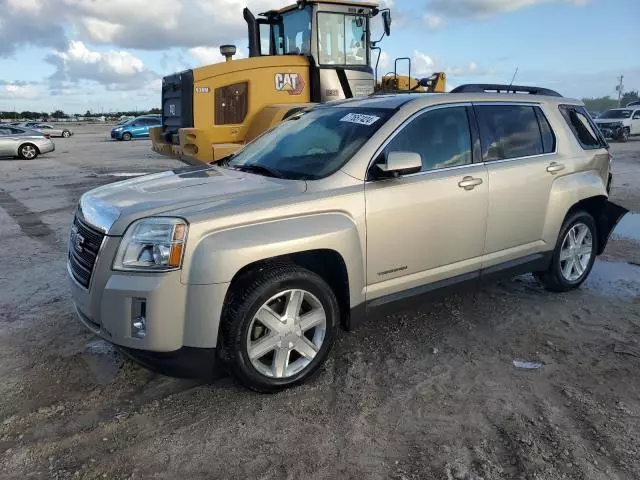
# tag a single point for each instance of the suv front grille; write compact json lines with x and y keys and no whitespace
{"x":84,"y":246}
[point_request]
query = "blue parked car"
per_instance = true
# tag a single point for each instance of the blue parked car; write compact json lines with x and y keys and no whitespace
{"x":136,"y":128}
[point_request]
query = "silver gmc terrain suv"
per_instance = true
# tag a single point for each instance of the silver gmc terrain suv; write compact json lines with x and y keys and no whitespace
{"x":255,"y":262}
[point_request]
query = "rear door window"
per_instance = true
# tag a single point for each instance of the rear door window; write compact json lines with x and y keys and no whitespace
{"x":509,"y":131}
{"x":583,"y":128}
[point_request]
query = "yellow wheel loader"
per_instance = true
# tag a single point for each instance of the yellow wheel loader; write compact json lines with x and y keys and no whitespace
{"x":311,"y":52}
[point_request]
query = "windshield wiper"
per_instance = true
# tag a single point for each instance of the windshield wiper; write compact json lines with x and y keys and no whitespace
{"x":260,"y":170}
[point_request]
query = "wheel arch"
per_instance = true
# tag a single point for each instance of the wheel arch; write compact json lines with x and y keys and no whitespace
{"x":328,"y":264}
{"x":606,"y":214}
{"x":328,"y":244}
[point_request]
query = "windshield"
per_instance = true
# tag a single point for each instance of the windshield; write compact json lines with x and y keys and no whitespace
{"x":311,"y":145}
{"x":616,"y":114}
{"x":342,"y":39}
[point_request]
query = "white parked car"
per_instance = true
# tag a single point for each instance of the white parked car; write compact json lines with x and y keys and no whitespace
{"x":620,"y":123}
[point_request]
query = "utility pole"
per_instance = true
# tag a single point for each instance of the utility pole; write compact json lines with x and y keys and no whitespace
{"x":619,"y":89}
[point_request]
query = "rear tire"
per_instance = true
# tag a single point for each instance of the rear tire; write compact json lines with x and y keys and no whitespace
{"x":66,"y":133}
{"x":277,"y":327}
{"x":126,"y":136}
{"x":574,"y":254}
{"x":28,"y":151}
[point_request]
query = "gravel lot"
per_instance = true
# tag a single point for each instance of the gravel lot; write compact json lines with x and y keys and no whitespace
{"x":430,"y":393}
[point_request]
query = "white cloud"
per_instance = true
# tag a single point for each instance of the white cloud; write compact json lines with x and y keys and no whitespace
{"x":20,"y":91}
{"x":29,"y":22}
{"x":30,"y":6}
{"x":209,"y":55}
{"x":101,"y":31}
{"x":432,"y":21}
{"x":115,"y":69}
{"x":162,"y":24}
{"x":423,"y":65}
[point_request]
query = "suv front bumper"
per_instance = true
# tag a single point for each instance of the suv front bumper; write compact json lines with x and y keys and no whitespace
{"x":178,"y":318}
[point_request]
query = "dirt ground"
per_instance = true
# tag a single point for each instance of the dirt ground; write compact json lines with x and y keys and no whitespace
{"x":430,"y":393}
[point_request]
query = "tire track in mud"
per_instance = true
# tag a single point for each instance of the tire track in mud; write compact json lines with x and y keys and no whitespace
{"x":29,"y":222}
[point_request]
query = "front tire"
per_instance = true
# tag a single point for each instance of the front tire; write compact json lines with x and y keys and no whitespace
{"x":574,"y":254}
{"x":126,"y":136}
{"x":278,"y":327}
{"x":28,"y":151}
{"x":624,"y":135}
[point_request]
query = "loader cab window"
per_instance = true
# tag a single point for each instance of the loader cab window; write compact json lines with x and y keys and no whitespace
{"x":265,"y":39}
{"x":342,"y":39}
{"x":294,"y":33}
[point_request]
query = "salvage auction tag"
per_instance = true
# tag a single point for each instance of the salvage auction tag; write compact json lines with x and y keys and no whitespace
{"x":360,"y":118}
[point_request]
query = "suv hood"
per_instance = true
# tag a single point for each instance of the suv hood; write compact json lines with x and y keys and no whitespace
{"x":611,"y":120}
{"x":111,"y":208}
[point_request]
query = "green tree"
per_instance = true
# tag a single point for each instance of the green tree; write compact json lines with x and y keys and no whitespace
{"x":628,"y":97}
{"x":59,"y":114}
{"x":600,"y":104}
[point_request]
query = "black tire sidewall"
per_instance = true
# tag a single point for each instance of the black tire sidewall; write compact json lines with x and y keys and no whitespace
{"x":237,"y":334}
{"x":588,"y":220}
{"x":66,"y":133}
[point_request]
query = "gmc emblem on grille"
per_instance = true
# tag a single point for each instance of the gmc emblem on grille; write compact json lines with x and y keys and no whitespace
{"x":172,"y":109}
{"x":77,"y":240}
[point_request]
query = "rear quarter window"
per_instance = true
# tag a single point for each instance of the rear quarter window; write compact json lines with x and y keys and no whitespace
{"x":582,"y":127}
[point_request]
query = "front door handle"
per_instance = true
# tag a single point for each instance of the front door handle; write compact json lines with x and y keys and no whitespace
{"x":555,"y":167}
{"x":469,"y":183}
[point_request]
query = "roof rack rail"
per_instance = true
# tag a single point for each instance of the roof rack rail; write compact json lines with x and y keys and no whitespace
{"x":498,"y":88}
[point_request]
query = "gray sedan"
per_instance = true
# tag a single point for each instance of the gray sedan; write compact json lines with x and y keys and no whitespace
{"x":52,"y":131}
{"x":23,"y":142}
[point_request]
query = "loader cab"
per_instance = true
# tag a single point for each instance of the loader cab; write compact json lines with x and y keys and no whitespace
{"x":333,"y":35}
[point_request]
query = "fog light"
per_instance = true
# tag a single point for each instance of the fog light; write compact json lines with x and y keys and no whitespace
{"x":138,"y":317}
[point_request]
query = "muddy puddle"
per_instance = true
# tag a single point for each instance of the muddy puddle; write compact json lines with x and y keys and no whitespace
{"x":619,"y":279}
{"x":629,"y":227}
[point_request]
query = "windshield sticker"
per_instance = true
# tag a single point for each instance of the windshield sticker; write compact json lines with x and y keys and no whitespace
{"x":360,"y":119}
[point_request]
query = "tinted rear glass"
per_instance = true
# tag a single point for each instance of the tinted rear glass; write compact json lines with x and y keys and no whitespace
{"x":508,"y":131}
{"x":582,"y":126}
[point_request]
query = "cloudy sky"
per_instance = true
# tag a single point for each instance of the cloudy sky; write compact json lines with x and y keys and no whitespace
{"x":111,"y":54}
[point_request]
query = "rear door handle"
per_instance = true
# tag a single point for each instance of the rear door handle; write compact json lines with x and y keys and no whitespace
{"x":555,"y":167}
{"x":469,"y":183}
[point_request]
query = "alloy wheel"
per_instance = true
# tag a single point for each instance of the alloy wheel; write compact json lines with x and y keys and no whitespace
{"x":576,"y":252}
{"x":28,"y":151}
{"x":286,"y":333}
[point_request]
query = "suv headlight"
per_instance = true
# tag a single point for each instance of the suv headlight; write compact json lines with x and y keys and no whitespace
{"x":154,"y":243}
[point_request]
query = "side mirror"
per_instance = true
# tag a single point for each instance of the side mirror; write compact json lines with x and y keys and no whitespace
{"x":386,"y":22}
{"x":400,"y":163}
